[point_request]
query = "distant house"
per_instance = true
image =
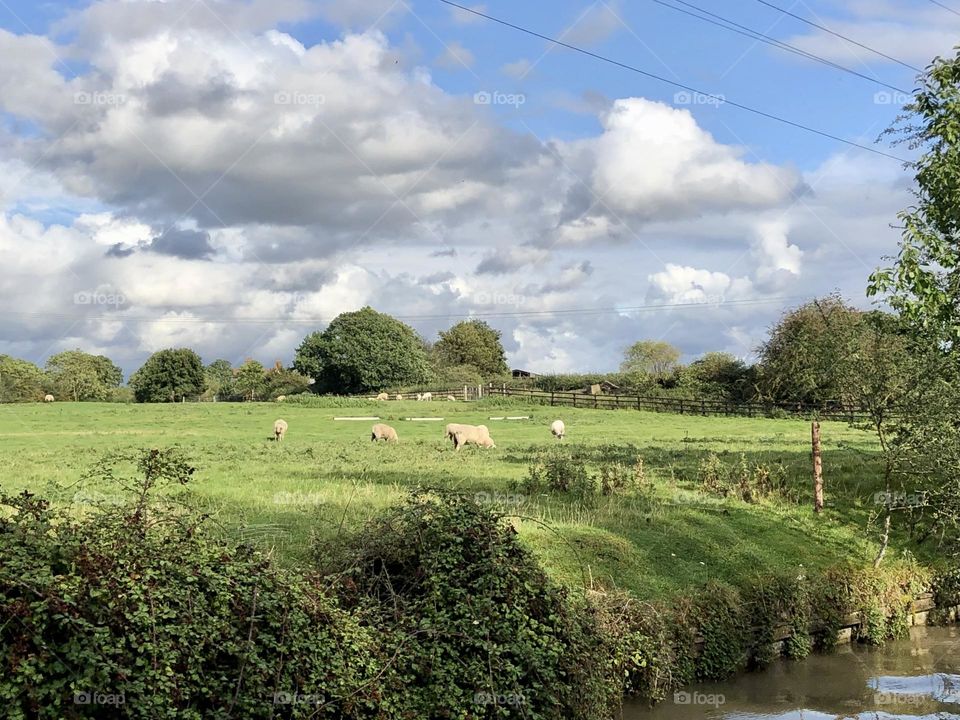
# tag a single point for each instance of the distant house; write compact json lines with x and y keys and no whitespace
{"x":517,"y":373}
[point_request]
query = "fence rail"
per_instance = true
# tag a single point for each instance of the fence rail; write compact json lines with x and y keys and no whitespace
{"x":682,"y":406}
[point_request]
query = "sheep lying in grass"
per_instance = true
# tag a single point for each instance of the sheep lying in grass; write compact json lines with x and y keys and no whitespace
{"x":380,"y":431}
{"x":472,"y":435}
{"x":279,"y":430}
{"x":281,"y":398}
{"x":451,"y":398}
{"x":558,"y":429}
{"x":383,"y":396}
{"x":48,"y":398}
{"x":399,"y":396}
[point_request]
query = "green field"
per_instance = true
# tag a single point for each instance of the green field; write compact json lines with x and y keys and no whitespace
{"x":327,"y":476}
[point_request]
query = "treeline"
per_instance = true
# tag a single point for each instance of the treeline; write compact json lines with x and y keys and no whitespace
{"x":815,"y":356}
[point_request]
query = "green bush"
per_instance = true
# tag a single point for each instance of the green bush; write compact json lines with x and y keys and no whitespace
{"x":139,"y":611}
{"x":474,"y":625}
{"x":740,"y":480}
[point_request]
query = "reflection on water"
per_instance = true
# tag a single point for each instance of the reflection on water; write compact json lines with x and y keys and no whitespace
{"x":914,"y":678}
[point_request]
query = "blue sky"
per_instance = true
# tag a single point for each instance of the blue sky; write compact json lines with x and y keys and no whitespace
{"x":231,"y":175}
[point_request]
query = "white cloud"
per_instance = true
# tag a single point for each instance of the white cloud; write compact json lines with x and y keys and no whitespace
{"x":456,"y":57}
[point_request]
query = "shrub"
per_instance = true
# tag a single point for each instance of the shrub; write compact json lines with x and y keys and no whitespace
{"x":471,"y":617}
{"x":740,"y":481}
{"x":139,"y":603}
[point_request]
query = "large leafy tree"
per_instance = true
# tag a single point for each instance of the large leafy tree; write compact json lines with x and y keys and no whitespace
{"x":250,"y":381}
{"x":220,"y":379}
{"x":362,"y":351}
{"x":279,"y":380}
{"x":20,"y":380}
{"x":80,"y":376}
{"x":169,"y":376}
{"x":473,"y":343}
{"x":650,"y":357}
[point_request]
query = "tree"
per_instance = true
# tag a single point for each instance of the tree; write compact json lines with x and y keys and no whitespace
{"x":474,"y":343}
{"x":360,"y":352}
{"x":650,"y":357}
{"x":279,"y":381}
{"x":923,"y":284}
{"x":20,"y":380}
{"x":219,"y":379}
{"x":720,"y":375}
{"x":801,"y":360}
{"x":81,"y":376}
{"x":250,"y":382}
{"x":168,"y":376}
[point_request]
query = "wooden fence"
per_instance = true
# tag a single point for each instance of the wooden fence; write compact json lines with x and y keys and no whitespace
{"x":682,"y":406}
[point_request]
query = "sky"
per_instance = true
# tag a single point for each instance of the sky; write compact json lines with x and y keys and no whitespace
{"x":230,"y":176}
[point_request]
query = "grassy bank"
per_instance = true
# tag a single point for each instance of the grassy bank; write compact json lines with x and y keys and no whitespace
{"x":327,"y":477}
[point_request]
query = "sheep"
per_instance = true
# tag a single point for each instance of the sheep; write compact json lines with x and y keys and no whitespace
{"x":558,"y":429}
{"x":281,"y":398}
{"x":427,"y":396}
{"x":399,"y":396}
{"x":452,"y":428}
{"x":279,"y":430}
{"x":383,"y":396}
{"x":451,"y":398}
{"x":48,"y":398}
{"x":383,"y":432}
{"x":472,"y":435}
{"x":419,"y":397}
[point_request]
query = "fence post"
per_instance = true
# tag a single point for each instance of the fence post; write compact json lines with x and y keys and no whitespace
{"x":681,"y":407}
{"x":703,"y":407}
{"x":552,"y":403}
{"x":817,"y":467}
{"x":574,"y":399}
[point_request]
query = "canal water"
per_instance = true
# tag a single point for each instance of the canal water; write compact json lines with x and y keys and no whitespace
{"x":917,"y":677}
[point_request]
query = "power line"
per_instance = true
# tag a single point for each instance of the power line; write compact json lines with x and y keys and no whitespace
{"x":688,"y":88}
{"x":948,"y":9}
{"x":761,"y":37}
{"x":836,"y":34}
{"x":440,"y":316}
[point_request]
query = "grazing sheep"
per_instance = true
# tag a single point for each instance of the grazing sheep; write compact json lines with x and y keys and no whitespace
{"x":399,"y":396}
{"x":383,"y":396}
{"x":281,"y":398}
{"x":279,"y":430}
{"x":472,"y":435}
{"x":419,"y":397}
{"x":48,"y":398}
{"x":383,"y":432}
{"x":452,"y":428}
{"x":451,"y":398}
{"x":558,"y":429}
{"x":427,"y":396}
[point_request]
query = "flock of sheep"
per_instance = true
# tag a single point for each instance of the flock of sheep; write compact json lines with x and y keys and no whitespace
{"x":427,"y":396}
{"x":459,"y":433}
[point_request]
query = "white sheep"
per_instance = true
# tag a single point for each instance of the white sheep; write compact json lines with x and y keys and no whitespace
{"x":452,"y":428}
{"x":472,"y":435}
{"x":419,"y":397}
{"x":427,"y":396}
{"x":279,"y":430}
{"x":281,"y":398}
{"x":380,"y":431}
{"x":558,"y":429}
{"x":399,"y":396}
{"x":383,"y":396}
{"x":451,"y":398}
{"x":48,"y":398}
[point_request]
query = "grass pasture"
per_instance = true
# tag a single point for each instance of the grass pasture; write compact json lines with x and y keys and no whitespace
{"x":327,"y":476}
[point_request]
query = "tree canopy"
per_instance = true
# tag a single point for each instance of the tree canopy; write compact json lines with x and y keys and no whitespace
{"x":362,"y":351}
{"x":650,"y":357}
{"x":473,"y":343}
{"x":20,"y":380}
{"x":78,"y":375}
{"x":169,"y":376}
